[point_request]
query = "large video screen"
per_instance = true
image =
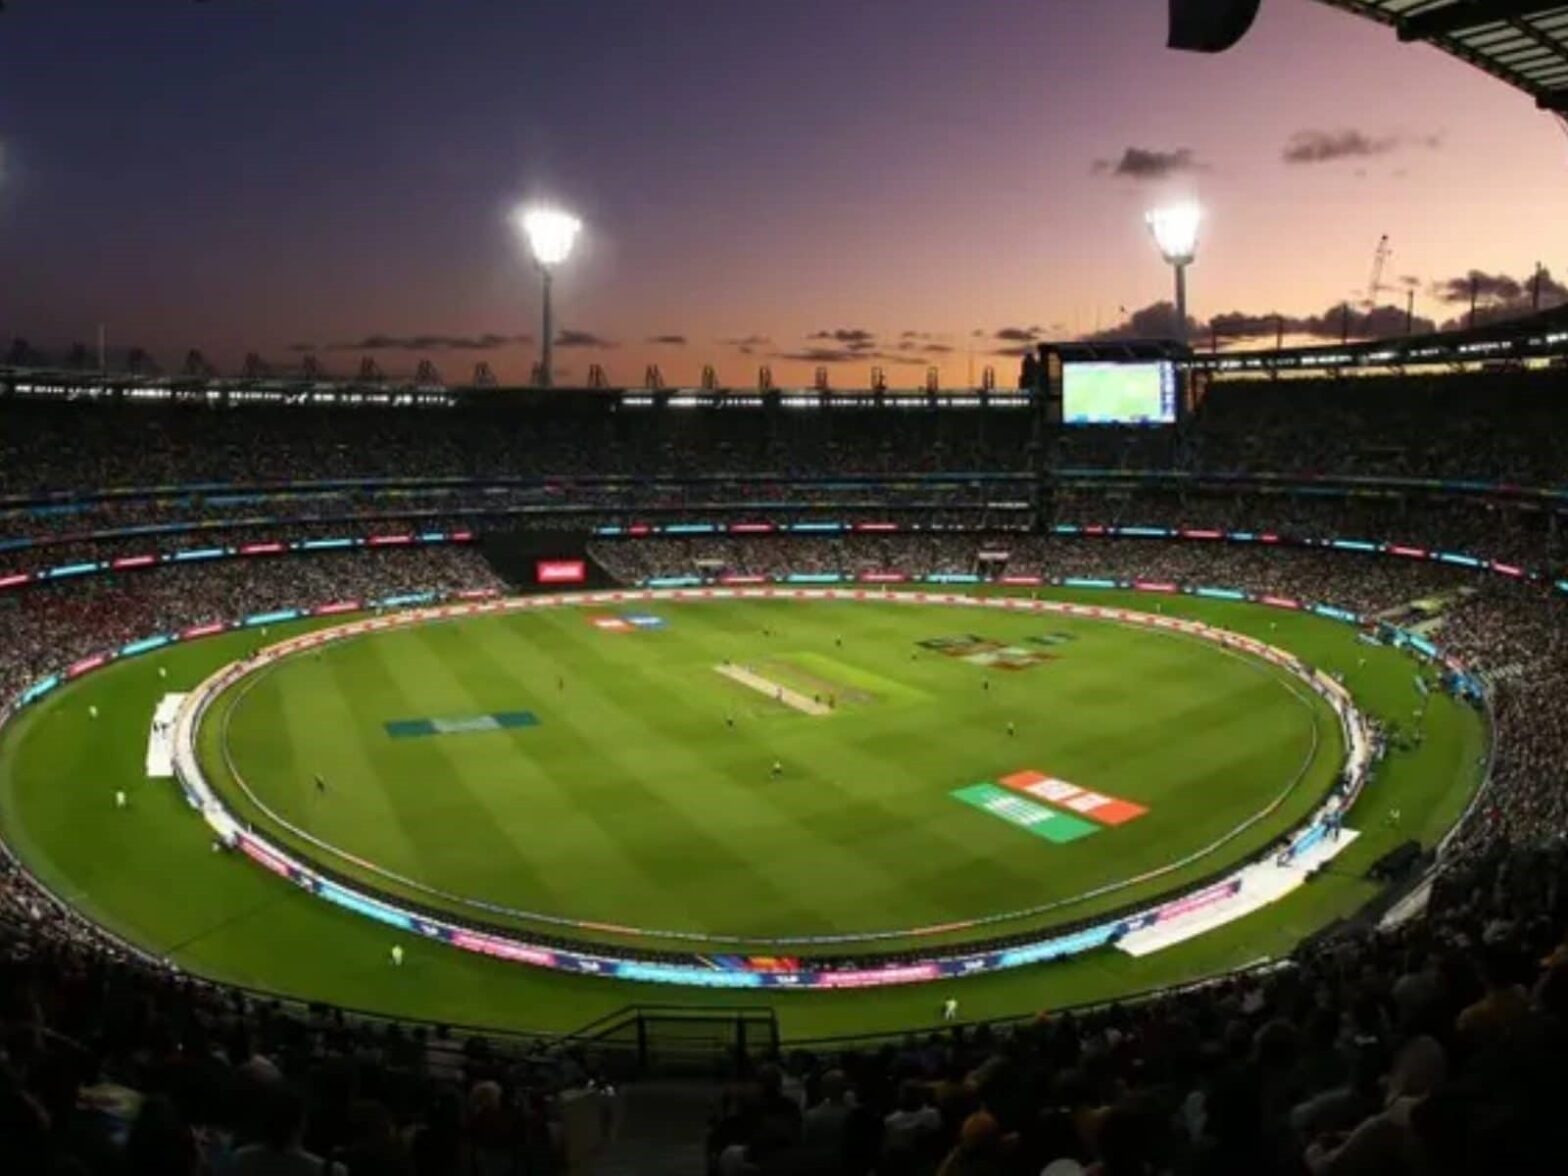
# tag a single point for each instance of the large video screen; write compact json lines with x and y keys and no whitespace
{"x":1119,"y":393}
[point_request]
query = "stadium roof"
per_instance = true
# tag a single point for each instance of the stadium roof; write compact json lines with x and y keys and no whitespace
{"x":1523,"y":42}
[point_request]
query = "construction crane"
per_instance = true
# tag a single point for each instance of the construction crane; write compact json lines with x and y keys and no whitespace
{"x":1379,"y":262}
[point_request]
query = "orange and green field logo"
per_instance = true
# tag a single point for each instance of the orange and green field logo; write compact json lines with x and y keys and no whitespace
{"x":1017,"y":799}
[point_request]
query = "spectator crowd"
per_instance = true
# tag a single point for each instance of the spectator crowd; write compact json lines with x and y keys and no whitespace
{"x":1495,"y":425}
{"x":47,"y":627}
{"x":1423,"y":1049}
{"x":1434,"y":1049}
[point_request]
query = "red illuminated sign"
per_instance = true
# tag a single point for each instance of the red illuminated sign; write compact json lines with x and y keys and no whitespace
{"x":561,"y":571}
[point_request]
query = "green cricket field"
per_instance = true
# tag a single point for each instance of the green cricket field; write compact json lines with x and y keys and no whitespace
{"x":761,"y":777}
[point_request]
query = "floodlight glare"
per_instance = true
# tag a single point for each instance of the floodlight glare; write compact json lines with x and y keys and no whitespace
{"x":550,"y":233}
{"x":1175,"y":231}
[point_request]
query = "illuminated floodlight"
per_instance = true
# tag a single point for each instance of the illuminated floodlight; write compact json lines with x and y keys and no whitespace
{"x":1175,"y":230}
{"x":550,"y":232}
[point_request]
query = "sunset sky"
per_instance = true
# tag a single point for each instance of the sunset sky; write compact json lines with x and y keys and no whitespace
{"x":766,"y":181}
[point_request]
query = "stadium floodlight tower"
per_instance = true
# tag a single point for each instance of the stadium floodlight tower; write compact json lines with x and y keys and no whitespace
{"x":1175,"y":230}
{"x":551,"y":234}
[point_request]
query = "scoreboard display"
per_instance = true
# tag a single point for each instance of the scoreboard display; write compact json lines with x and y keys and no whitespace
{"x":1101,"y":393}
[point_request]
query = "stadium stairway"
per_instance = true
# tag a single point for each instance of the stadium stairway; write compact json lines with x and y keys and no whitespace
{"x":662,"y":1125}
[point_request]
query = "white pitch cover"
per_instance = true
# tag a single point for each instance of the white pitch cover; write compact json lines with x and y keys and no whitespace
{"x":160,"y":739}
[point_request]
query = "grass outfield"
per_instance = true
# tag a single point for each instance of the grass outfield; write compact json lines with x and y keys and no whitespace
{"x":149,"y":873}
{"x":643,"y":797}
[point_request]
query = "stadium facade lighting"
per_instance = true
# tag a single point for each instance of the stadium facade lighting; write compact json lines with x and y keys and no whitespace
{"x":1175,"y":231}
{"x":551,"y":234}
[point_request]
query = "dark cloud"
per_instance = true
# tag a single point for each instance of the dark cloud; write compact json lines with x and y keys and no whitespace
{"x":1377,"y":322}
{"x":299,"y":348}
{"x":1017,"y":335}
{"x":748,"y":344}
{"x":384,"y":342}
{"x":1488,"y":288}
{"x":1553,"y":292}
{"x":1148,"y":163}
{"x":848,"y":336}
{"x":1317,"y":146}
{"x":913,"y":347}
{"x":851,"y":339}
{"x":819,"y":355}
{"x":1498,"y":297}
{"x":827,"y":355}
{"x":1016,"y":352}
{"x":1238,"y":324}
{"x":1155,"y":321}
{"x":582,"y":339}
{"x":1158,"y":321}
{"x":669,"y":340}
{"x":931,"y":342}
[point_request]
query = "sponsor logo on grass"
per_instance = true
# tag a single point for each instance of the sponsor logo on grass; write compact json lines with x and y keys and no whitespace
{"x":461,"y":724}
{"x":1107,"y":810}
{"x":980,"y":651}
{"x":626,"y":622}
{"x":1056,"y":827}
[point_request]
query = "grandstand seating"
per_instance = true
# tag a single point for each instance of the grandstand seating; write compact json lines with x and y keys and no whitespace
{"x":1432,"y":1048}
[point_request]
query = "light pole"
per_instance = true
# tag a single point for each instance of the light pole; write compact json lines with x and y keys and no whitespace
{"x":1175,"y":231}
{"x":550,"y":234}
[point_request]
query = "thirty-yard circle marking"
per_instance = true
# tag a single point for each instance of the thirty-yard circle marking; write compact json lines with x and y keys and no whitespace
{"x":1234,"y":644}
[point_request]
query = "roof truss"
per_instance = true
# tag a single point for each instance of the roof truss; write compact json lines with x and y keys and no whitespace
{"x":1523,"y":42}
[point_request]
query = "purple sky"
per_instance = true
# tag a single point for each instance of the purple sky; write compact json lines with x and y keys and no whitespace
{"x":248,"y":175}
